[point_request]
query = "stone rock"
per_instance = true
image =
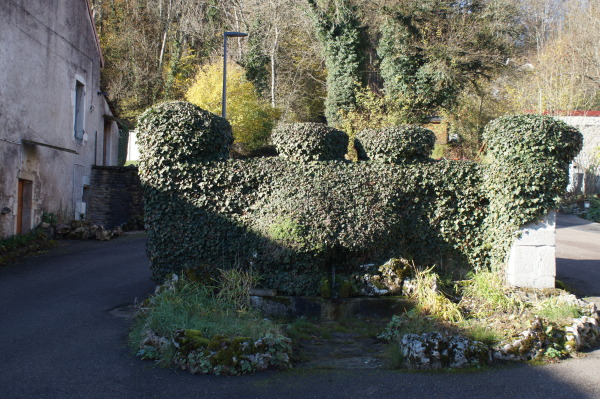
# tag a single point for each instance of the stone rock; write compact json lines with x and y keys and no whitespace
{"x":103,"y":235}
{"x":386,"y":279}
{"x":434,"y":351}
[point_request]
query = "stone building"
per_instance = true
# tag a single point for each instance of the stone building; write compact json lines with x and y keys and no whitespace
{"x":585,"y":169}
{"x":54,"y":120}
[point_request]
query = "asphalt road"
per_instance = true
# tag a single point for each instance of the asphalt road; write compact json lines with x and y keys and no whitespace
{"x":60,"y":338}
{"x":578,"y":255}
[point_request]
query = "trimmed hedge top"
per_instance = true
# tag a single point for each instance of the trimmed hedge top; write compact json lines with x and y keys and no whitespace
{"x":178,"y":132}
{"x":396,"y":144}
{"x":310,"y":142}
{"x":532,"y":137}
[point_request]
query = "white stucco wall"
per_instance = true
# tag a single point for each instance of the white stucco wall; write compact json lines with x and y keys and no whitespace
{"x":590,"y":128}
{"x":45,"y":45}
{"x":133,"y":152}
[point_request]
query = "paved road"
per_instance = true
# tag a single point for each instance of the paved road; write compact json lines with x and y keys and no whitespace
{"x":58,"y":339}
{"x":578,"y":255}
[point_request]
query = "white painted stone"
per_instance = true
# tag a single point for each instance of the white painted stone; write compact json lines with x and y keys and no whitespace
{"x":532,"y":259}
{"x":539,"y":233}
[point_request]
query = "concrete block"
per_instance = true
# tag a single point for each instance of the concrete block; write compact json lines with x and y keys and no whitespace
{"x":532,"y":266}
{"x":532,"y":259}
{"x":539,"y":233}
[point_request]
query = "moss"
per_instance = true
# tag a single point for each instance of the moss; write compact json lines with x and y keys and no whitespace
{"x":195,"y":339}
{"x":217,"y":342}
{"x":230,"y":351}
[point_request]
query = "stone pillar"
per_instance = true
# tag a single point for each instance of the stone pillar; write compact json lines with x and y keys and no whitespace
{"x":532,"y":259}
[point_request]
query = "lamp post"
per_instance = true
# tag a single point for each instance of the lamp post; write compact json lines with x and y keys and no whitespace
{"x":225,"y":36}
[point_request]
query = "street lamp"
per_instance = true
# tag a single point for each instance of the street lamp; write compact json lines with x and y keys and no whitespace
{"x":225,"y":36}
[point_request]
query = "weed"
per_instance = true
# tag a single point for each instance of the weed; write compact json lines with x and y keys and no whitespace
{"x":489,"y":295}
{"x":16,"y":246}
{"x":394,"y":356}
{"x":234,"y":287}
{"x":302,"y":329}
{"x":411,"y":322}
{"x":557,"y":311}
{"x":430,"y":300}
{"x":481,"y":333}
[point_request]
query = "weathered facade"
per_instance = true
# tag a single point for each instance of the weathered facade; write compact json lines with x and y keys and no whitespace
{"x":54,"y":120}
{"x":585,"y":169}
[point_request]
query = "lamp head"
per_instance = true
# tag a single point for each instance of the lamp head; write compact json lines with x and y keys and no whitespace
{"x":235,"y":34}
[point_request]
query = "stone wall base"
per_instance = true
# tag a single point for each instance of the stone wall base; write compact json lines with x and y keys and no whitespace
{"x":532,"y":259}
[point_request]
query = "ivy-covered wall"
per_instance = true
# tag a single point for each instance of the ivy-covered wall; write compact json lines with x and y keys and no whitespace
{"x":291,"y":219}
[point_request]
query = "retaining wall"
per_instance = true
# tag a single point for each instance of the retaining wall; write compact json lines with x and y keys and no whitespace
{"x":115,"y":196}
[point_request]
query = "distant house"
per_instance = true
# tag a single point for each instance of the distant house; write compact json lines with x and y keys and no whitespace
{"x":585,"y":169}
{"x":54,"y":120}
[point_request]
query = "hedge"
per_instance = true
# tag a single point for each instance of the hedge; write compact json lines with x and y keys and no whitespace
{"x":395,"y":144}
{"x":309,"y":142}
{"x":292,"y":221}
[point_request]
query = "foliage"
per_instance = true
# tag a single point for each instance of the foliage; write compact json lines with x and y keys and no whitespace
{"x":340,"y":33}
{"x":256,"y":63}
{"x":185,"y":312}
{"x":528,"y":172}
{"x":433,"y":50}
{"x":593,"y":212}
{"x":371,"y":110}
{"x":558,"y":311}
{"x":429,"y":300}
{"x":251,"y":119}
{"x":410,"y":322}
{"x":50,"y":218}
{"x":179,"y":133}
{"x":310,"y":142}
{"x":291,"y":221}
{"x":515,"y":325}
{"x":17,"y":246}
{"x":562,"y":73}
{"x":209,"y":308}
{"x":487,"y":294}
{"x":396,"y":144}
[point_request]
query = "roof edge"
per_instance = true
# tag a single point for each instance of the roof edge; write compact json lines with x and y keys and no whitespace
{"x":96,"y":38}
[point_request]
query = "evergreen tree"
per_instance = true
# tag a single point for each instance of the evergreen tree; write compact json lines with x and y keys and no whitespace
{"x":341,"y":36}
{"x":432,"y":50}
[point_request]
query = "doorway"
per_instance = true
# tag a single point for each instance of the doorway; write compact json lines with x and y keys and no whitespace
{"x":24,"y":206}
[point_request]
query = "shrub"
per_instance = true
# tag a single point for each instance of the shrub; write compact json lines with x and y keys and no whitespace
{"x":180,"y":133}
{"x":528,"y":172}
{"x":531,"y":139}
{"x":310,"y":142}
{"x":251,"y":118}
{"x":395,"y":144}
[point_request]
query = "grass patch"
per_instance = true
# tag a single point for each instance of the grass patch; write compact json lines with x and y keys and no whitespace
{"x":487,"y":294}
{"x":557,"y":311}
{"x":302,"y":328}
{"x":17,"y":246}
{"x":486,"y":334}
{"x":192,"y":305}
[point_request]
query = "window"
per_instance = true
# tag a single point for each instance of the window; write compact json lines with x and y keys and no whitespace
{"x":79,"y":106}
